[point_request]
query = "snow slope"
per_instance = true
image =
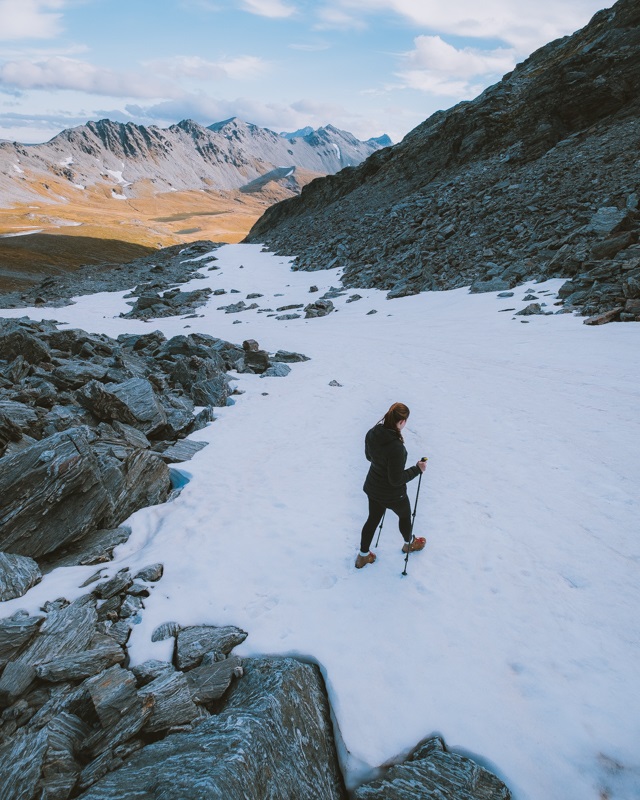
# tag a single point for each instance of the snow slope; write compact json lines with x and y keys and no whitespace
{"x":516,"y":632}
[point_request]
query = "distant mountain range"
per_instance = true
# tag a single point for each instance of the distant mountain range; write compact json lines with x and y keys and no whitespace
{"x":132,"y":159}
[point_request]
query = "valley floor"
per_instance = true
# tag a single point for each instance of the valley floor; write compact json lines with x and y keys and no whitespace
{"x":516,"y":632}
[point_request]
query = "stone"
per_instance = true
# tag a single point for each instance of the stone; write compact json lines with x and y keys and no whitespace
{"x":605,"y":317}
{"x":335,"y":383}
{"x":532,"y":308}
{"x":103,"y":652}
{"x":432,"y":772}
{"x":505,"y":294}
{"x":165,"y":631}
{"x":151,"y":573}
{"x":607,"y":219}
{"x":256,"y":360}
{"x":212,"y":391}
{"x":17,"y":342}
{"x":289,"y":357}
{"x":320,"y":308}
{"x":17,"y":575}
{"x":150,"y":670}
{"x":16,"y":632}
{"x":194,"y":641}
{"x":291,"y":307}
{"x":183,"y":450}
{"x":353,"y":298}
{"x":112,"y":693}
{"x":116,"y":585}
{"x":288,"y":316}
{"x":279,"y":370}
{"x":172,"y":703}
{"x":133,"y":402}
{"x":273,"y":738}
{"x":21,"y":765}
{"x":95,"y":547}
{"x":492,"y":285}
{"x":210,"y":681}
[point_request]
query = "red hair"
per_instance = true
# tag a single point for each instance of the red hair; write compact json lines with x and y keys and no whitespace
{"x":396,"y":413}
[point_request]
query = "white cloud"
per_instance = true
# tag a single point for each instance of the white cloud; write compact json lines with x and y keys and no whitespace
{"x":239,"y":68}
{"x":275,"y":9}
{"x":441,"y":69}
{"x":60,"y":72}
{"x":30,"y":19}
{"x":522,"y":24}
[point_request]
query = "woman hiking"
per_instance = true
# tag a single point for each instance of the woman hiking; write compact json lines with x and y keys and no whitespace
{"x":386,"y":481}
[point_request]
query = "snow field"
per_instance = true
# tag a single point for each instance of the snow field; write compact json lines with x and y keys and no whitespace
{"x":515,"y":633}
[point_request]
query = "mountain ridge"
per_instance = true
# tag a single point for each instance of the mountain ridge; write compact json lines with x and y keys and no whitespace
{"x":497,"y":190}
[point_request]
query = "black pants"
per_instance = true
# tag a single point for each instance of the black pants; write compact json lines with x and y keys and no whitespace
{"x":400,"y":507}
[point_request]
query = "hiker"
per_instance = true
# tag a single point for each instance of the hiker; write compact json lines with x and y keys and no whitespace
{"x":386,"y":481}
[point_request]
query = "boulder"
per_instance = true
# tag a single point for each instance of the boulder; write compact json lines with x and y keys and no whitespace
{"x":272,"y":739}
{"x":15,"y":633}
{"x":432,"y":772}
{"x":318,"y":309}
{"x":17,"y":575}
{"x":193,"y":642}
{"x":133,"y":402}
{"x":279,"y":370}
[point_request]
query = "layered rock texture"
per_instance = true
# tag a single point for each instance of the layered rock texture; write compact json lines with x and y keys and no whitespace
{"x":536,"y":178}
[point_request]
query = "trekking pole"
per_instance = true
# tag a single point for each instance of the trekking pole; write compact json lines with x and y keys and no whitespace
{"x":413,"y":519}
{"x":380,"y":528}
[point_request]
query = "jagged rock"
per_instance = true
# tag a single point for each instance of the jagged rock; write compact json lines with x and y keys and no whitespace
{"x":75,"y":374}
{"x":21,"y":765}
{"x":133,"y":402}
{"x":113,"y":693}
{"x":183,"y":450}
{"x":151,"y":573}
{"x":94,"y":548}
{"x":193,"y":642}
{"x":492,"y":285}
{"x":116,"y":585}
{"x":432,"y":772}
{"x":318,"y":309}
{"x":288,"y":316}
{"x":289,"y":357}
{"x":118,"y":631}
{"x":17,"y":575}
{"x":165,"y":631}
{"x":291,"y":307}
{"x":273,"y":738}
{"x":130,"y":723}
{"x":103,"y":652}
{"x":172,"y":703}
{"x":532,"y":308}
{"x":256,"y":360}
{"x":17,"y":342}
{"x":64,"y":632}
{"x":19,"y":416}
{"x":211,"y":392}
{"x":150,"y":670}
{"x":57,"y":490}
{"x":15,"y":633}
{"x":210,"y":681}
{"x":280,"y":370}
{"x":607,"y":316}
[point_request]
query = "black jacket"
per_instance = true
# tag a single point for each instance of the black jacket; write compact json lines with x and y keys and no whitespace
{"x":387,"y":478}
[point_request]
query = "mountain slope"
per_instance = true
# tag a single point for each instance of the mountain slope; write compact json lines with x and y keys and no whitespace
{"x":125,"y":158}
{"x":533,"y":178}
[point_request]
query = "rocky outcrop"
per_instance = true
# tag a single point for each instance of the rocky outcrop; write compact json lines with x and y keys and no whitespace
{"x":272,"y":738}
{"x":536,"y":178}
{"x":431,"y":771}
{"x":72,"y":710}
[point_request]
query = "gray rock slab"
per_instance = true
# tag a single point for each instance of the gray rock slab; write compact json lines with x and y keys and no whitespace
{"x":193,"y":642}
{"x":273,"y":739}
{"x":21,"y":415}
{"x":172,"y":702}
{"x":15,"y":633}
{"x":183,"y":450}
{"x":289,"y":357}
{"x":279,"y":370}
{"x":150,"y":670}
{"x":151,"y":573}
{"x":103,"y":652}
{"x":431,"y":772}
{"x":17,"y":575}
{"x":210,"y":681}
{"x":21,"y":765}
{"x":52,"y":493}
{"x":112,"y":693}
{"x":95,"y":547}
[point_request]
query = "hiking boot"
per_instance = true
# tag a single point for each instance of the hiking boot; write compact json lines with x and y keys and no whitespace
{"x":417,"y":543}
{"x":362,"y":561}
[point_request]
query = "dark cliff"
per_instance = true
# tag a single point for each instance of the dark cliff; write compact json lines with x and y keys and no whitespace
{"x":536,"y":177}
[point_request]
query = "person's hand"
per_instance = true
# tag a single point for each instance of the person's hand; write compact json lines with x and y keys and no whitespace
{"x":422,"y":465}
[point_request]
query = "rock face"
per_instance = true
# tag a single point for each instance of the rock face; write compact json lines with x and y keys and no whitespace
{"x":272,"y":739}
{"x":86,"y":426}
{"x":432,"y":772}
{"x":17,"y":575}
{"x":535,"y":178}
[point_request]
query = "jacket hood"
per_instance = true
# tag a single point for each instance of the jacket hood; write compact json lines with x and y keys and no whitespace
{"x":382,"y":436}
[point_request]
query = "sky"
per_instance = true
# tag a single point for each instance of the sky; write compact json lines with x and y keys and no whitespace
{"x":366,"y":66}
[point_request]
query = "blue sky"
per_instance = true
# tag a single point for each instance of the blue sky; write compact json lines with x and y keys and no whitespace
{"x":366,"y":66}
